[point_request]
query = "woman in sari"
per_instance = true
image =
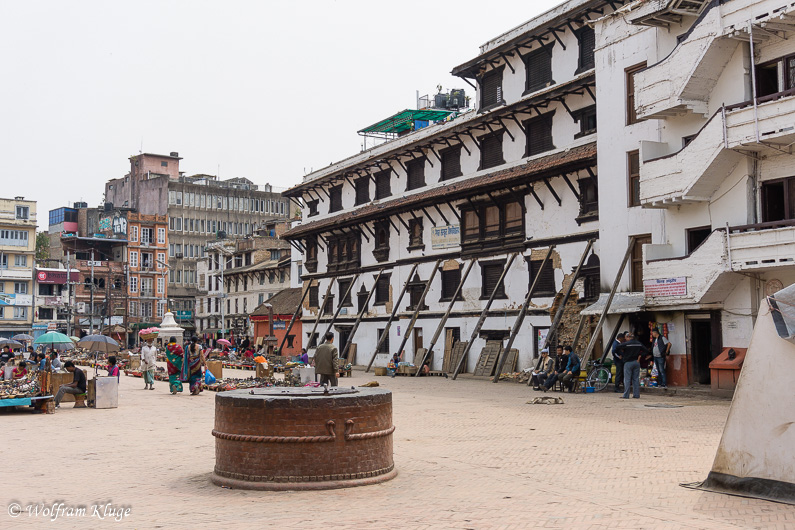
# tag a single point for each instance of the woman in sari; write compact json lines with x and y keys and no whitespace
{"x":194,"y":360}
{"x":174,"y":357}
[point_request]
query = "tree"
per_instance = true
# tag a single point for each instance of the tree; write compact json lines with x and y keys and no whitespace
{"x":42,"y":246}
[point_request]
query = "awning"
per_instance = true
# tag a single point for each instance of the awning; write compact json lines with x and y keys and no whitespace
{"x":622,"y":303}
{"x":404,"y":120}
{"x":187,"y":326}
{"x":143,"y":325}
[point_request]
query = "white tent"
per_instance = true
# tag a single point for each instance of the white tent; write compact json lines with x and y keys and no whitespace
{"x":756,"y":456}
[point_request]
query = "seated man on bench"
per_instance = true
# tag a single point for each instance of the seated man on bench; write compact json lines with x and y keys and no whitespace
{"x":76,"y":387}
{"x":572,"y":370}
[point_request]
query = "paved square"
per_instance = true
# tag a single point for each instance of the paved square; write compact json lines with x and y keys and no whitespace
{"x":470,"y":454}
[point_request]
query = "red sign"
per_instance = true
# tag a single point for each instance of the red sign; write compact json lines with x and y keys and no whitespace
{"x":57,"y":277}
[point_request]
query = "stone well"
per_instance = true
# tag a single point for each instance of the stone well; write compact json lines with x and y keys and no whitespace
{"x":303,"y":438}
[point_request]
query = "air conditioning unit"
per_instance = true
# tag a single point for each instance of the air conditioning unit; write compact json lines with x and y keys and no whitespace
{"x":81,"y":307}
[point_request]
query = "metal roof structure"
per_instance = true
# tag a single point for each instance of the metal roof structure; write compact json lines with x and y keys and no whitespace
{"x":403,"y":121}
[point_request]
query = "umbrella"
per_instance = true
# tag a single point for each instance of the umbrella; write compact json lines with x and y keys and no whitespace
{"x":99,"y":343}
{"x":22,"y":336}
{"x":53,"y":337}
{"x":224,"y":342}
{"x":75,"y":339}
{"x":62,"y":346}
{"x":11,"y":343}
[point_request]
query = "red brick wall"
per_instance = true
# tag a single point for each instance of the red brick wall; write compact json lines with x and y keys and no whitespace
{"x":261,"y":330}
{"x":341,"y":459}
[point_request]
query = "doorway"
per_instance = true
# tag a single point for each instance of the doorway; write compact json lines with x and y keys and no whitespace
{"x":417,"y":342}
{"x":701,"y":350}
{"x":344,"y":333}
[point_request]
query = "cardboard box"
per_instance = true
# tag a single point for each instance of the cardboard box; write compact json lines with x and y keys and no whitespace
{"x":216,"y":368}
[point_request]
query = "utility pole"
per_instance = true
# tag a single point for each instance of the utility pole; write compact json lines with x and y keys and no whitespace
{"x":91,"y":318}
{"x":68,"y":294}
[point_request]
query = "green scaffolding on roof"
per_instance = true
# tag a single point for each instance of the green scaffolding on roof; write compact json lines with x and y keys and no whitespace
{"x":404,"y":121}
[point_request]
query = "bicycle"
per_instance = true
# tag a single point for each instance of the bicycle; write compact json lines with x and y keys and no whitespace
{"x":598,"y":376}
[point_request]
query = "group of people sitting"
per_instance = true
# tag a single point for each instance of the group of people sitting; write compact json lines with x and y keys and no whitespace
{"x":22,"y":364}
{"x":563,"y":367}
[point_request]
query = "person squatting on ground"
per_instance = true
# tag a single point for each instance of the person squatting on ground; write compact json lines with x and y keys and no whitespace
{"x":660,"y":348}
{"x":546,"y":367}
{"x":631,"y":351}
{"x":327,"y":361}
{"x":618,"y":361}
{"x":77,"y":386}
{"x":148,"y":359}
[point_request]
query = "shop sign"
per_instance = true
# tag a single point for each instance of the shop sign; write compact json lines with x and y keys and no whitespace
{"x":446,"y":236}
{"x":40,"y":326}
{"x":279,"y":324}
{"x":53,"y":300}
{"x":665,"y":287}
{"x":55,"y":277}
{"x":52,"y":326}
{"x":183,"y":314}
{"x":15,"y":299}
{"x":90,"y":263}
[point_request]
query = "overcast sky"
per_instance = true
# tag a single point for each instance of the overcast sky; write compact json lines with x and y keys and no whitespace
{"x":262,"y":90}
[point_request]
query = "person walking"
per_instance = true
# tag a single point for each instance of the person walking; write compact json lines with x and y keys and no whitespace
{"x":631,"y":351}
{"x":148,"y":359}
{"x":618,"y":361}
{"x":327,"y":361}
{"x":660,"y":348}
{"x":174,"y":357}
{"x":194,"y":359}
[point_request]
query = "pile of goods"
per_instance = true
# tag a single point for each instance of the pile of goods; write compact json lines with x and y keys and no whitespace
{"x":26,"y":387}
{"x":517,"y":377}
{"x":160,"y":373}
{"x":223,"y":385}
{"x":149,"y":333}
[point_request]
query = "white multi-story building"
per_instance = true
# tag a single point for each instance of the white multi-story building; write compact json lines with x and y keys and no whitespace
{"x":17,"y":253}
{"x":695,"y":106}
{"x":496,"y":188}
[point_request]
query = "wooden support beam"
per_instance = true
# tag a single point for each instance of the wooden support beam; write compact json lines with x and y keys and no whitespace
{"x":467,"y":81}
{"x":339,"y":304}
{"x":361,"y":233}
{"x":535,"y":196}
{"x":483,"y":313}
{"x":492,"y":199}
{"x":402,"y":166}
{"x":405,"y":225}
{"x":519,"y":198}
{"x":350,"y":182}
{"x":344,"y":351}
{"x":507,"y":131}
{"x":555,"y":34}
{"x":367,"y":227}
{"x":468,"y":133}
{"x":609,"y":343}
{"x":590,"y":93}
{"x":508,"y":63}
{"x":562,"y":101}
{"x":413,"y":321}
{"x":517,"y":325}
{"x":295,"y":316}
{"x":571,"y":186}
{"x":474,"y":207}
{"x":603,"y":316}
{"x":593,"y":176}
{"x":428,"y":216}
{"x":460,"y":141}
{"x":455,"y":212}
{"x":553,"y":328}
{"x":440,"y":213}
{"x":432,"y":150}
{"x":325,"y":193}
{"x":446,"y":316}
{"x":519,"y":124}
{"x":552,"y":190}
{"x":388,"y":325}
{"x":393,"y":225}
{"x":320,"y":311}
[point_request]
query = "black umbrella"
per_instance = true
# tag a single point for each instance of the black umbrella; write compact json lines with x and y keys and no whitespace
{"x":22,"y":336}
{"x":10,"y":342}
{"x":98,"y":343}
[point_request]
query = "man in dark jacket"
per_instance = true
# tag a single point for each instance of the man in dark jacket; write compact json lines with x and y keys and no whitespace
{"x":327,"y":361}
{"x":631,"y":351}
{"x":572,"y":370}
{"x":618,"y":361}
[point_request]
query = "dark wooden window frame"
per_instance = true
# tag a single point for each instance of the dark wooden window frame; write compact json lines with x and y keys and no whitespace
{"x":344,"y":252}
{"x":312,"y":205}
{"x":546,"y":285}
{"x":382,"y":191}
{"x":311,"y":254}
{"x":343,"y":285}
{"x":381,"y":287}
{"x":384,"y":345}
{"x":586,"y":118}
{"x":485,"y":288}
{"x":530,"y":124}
{"x":381,"y":249}
{"x":634,"y":281}
{"x":449,"y":169}
{"x":633,"y":179}
{"x":491,"y":139}
{"x":789,"y":199}
{"x":415,"y":174}
{"x":629,"y":74}
{"x":450,"y":280}
{"x":506,"y":237}
{"x":541,"y":54}
{"x":585,"y":57}
{"x":498,"y":96}
{"x":689,"y":232}
{"x":335,"y":199}
{"x":415,"y":243}
{"x":362,"y":190}
{"x":589,"y":209}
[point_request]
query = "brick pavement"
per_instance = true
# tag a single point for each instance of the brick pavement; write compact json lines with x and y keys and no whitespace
{"x":470,"y":454}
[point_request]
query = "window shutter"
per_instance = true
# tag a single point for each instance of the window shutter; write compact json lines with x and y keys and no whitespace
{"x":362,"y":190}
{"x":450,"y":281}
{"x":539,"y":69}
{"x":491,"y":275}
{"x":546,"y":283}
{"x":335,"y":203}
{"x":539,"y":135}
{"x":491,"y":151}
{"x":587,"y":38}
{"x":382,"y":187}
{"x":491,"y":88}
{"x":416,"y":174}
{"x":451,"y":163}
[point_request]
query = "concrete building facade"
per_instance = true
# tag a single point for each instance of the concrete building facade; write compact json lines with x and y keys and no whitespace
{"x":497,"y":189}
{"x":17,"y":254}
{"x":199,"y":208}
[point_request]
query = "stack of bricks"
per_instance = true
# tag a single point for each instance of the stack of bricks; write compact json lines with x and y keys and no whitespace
{"x":289,"y":439}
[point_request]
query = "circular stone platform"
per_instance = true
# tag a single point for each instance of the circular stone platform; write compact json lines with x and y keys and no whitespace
{"x":303,"y":438}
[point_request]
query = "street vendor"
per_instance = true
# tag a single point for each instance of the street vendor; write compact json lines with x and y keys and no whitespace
{"x":19,"y":371}
{"x":304,"y":356}
{"x":113,"y":368}
{"x":55,"y":362}
{"x":6,"y":355}
{"x":77,"y":386}
{"x":148,"y":358}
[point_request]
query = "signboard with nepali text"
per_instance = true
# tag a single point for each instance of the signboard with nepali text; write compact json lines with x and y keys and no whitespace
{"x":446,"y":236}
{"x":665,"y":287}
{"x":57,"y":277}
